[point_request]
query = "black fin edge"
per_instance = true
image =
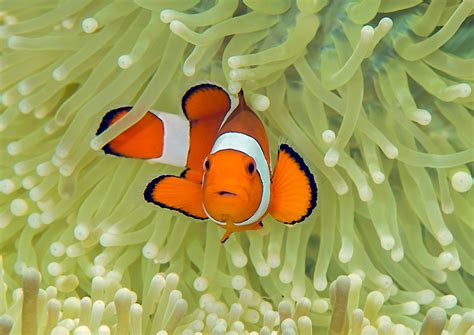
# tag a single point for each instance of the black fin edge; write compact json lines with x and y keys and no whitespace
{"x":225,"y":240}
{"x":183,"y":173}
{"x":312,"y":183}
{"x":105,"y":123}
{"x":148,"y":197}
{"x":196,"y":88}
{"x":108,"y":117}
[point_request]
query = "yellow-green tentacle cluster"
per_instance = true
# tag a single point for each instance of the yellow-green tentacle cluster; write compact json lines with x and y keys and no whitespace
{"x":374,"y":94}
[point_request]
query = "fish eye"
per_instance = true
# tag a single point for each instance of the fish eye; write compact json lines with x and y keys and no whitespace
{"x":207,"y":165}
{"x":251,"y":168}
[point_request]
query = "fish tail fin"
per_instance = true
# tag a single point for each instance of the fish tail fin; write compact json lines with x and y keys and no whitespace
{"x":157,"y":136}
{"x":293,"y":189}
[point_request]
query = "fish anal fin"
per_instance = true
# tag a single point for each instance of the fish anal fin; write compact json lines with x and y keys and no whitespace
{"x":226,"y":236}
{"x":293,"y":189}
{"x":177,"y":194}
{"x":142,"y":140}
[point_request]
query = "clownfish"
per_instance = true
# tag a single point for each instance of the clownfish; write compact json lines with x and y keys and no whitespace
{"x":223,"y":146}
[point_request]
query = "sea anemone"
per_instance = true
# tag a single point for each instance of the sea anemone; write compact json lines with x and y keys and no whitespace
{"x":375,"y":94}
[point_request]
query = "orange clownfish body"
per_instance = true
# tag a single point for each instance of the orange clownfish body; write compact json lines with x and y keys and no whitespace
{"x":224,"y":147}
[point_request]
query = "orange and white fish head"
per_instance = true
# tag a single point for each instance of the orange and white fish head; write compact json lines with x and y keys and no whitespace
{"x":236,"y":183}
{"x":231,"y":189}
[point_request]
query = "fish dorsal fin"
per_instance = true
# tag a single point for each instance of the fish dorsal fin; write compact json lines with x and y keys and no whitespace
{"x":177,"y":194}
{"x":205,"y":105}
{"x":293,"y":190}
{"x":207,"y":100}
{"x":142,"y":140}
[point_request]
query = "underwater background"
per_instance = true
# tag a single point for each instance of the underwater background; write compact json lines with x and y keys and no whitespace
{"x":375,"y":95}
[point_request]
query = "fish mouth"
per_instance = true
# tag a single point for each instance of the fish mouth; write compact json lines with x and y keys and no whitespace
{"x":226,"y":194}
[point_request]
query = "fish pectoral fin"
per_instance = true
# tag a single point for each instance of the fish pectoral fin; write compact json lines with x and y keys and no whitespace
{"x":192,"y":175}
{"x":142,"y":140}
{"x":226,"y":236}
{"x":177,"y":194}
{"x":293,"y":189}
